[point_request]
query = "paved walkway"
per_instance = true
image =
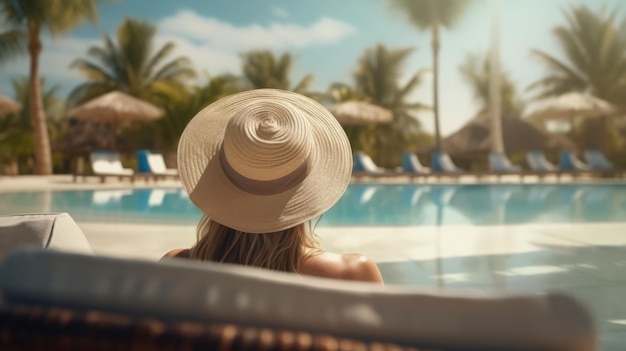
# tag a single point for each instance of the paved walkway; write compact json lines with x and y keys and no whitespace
{"x":585,"y":260}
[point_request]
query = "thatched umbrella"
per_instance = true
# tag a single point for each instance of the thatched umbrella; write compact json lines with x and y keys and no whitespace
{"x":571,"y":105}
{"x":360,"y":112}
{"x":8,"y":106}
{"x":115,"y":108}
{"x":518,"y":135}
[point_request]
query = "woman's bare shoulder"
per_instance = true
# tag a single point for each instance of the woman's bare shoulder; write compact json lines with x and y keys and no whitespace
{"x":180,"y":253}
{"x":342,"y":266}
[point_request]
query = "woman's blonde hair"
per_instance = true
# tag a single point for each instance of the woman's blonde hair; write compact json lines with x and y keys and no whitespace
{"x":282,"y":251}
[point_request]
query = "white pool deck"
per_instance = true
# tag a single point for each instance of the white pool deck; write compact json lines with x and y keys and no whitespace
{"x":585,"y":260}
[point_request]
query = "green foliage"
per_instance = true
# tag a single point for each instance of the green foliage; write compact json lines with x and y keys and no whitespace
{"x":425,"y":14}
{"x":597,"y":133}
{"x":12,"y":44}
{"x":377,"y":80}
{"x":16,"y":134}
{"x":475,"y":71}
{"x":132,"y":65}
{"x":594,"y":48}
{"x":58,"y":16}
{"x":31,"y":17}
{"x":180,"y":107}
{"x":431,"y":15}
{"x":262,"y":69}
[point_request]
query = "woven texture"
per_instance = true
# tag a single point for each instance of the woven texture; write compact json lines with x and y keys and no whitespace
{"x":36,"y":328}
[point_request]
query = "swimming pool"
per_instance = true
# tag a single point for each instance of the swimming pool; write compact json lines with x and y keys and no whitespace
{"x":361,"y":205}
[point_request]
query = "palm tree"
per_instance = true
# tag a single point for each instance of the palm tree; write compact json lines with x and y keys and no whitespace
{"x":16,"y":133}
{"x":12,"y":44}
{"x":475,"y":71}
{"x":262,"y":69}
{"x":594,"y":48}
{"x":377,"y":80}
{"x":430,"y":15}
{"x":34,"y":16}
{"x":180,"y":107}
{"x":130,"y":64}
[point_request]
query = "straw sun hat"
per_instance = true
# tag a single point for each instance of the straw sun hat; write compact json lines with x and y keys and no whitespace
{"x":264,"y":160}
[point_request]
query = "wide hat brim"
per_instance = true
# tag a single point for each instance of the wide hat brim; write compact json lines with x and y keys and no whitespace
{"x":213,"y":192}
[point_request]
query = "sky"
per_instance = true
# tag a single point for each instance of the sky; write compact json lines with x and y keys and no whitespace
{"x":327,"y":38}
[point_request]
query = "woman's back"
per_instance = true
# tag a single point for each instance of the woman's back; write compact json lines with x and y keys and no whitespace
{"x":341,"y":266}
{"x":259,"y":165}
{"x":355,"y":267}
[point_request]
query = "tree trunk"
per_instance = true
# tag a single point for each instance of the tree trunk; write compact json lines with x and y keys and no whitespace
{"x":43,"y":156}
{"x":495,"y":85}
{"x":435,"y":50}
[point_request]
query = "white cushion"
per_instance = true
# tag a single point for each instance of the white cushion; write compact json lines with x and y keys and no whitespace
{"x":157,"y":165}
{"x":179,"y":289}
{"x":42,"y":230}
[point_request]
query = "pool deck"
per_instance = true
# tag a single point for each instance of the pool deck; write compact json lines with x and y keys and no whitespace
{"x":585,"y":260}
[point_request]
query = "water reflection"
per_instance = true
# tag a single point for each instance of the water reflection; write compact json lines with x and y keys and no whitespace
{"x":361,"y":205}
{"x":478,"y":204}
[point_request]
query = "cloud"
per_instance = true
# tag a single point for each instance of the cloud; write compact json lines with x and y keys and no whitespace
{"x":222,"y":35}
{"x":280,"y":12}
{"x":211,"y":44}
{"x":214,"y":45}
{"x":203,"y":58}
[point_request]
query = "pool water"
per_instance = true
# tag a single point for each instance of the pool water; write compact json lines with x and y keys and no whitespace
{"x":361,"y":205}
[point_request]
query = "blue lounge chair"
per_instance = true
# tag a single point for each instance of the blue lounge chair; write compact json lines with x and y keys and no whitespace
{"x":537,"y":162}
{"x":498,"y":162}
{"x":363,"y":163}
{"x":597,"y":160}
{"x":412,"y":164}
{"x":569,"y":162}
{"x":442,"y":163}
{"x":154,"y":163}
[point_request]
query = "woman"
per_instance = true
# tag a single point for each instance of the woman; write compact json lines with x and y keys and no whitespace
{"x":261,"y":165}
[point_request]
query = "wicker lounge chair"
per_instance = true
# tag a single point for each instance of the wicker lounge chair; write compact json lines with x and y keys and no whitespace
{"x":55,"y":300}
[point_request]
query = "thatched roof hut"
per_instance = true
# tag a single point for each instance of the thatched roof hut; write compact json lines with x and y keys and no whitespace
{"x":519,"y":136}
{"x":82,"y":137}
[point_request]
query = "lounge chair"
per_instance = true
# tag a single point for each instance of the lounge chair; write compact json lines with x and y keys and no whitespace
{"x":364,"y":166}
{"x":55,"y":231}
{"x":537,"y":162}
{"x":55,"y":300}
{"x":499,"y":163}
{"x":568,"y":161}
{"x":442,"y":163}
{"x":106,"y":163}
{"x":597,"y":160}
{"x":412,"y":165}
{"x":153,"y":163}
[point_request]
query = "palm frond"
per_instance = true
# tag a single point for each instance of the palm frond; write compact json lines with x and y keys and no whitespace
{"x":12,"y":44}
